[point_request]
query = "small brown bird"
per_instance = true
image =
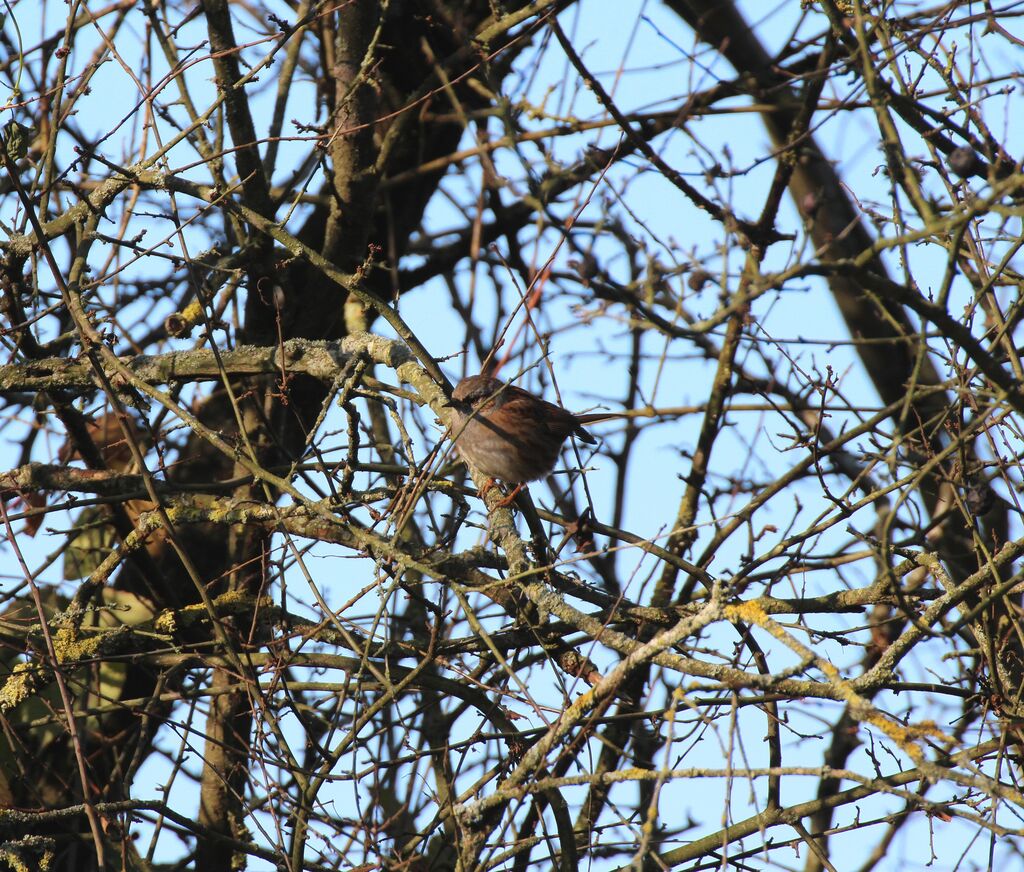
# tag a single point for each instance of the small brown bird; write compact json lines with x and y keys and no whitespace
{"x":508,"y":433}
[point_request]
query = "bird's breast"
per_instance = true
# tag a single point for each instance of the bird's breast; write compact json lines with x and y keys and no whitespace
{"x":498,"y":453}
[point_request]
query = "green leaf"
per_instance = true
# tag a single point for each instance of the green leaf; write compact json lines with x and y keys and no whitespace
{"x":17,"y":138}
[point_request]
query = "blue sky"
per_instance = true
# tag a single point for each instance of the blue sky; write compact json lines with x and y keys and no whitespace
{"x":648,"y":60}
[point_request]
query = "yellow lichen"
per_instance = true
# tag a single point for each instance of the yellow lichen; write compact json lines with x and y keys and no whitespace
{"x":19,"y":686}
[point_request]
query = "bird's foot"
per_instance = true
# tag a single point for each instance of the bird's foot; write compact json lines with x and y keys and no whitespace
{"x":507,"y":500}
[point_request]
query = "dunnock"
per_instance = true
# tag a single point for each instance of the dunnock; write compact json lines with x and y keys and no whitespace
{"x":508,"y":433}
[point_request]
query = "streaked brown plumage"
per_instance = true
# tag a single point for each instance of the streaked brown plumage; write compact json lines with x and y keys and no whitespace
{"x":508,"y":433}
